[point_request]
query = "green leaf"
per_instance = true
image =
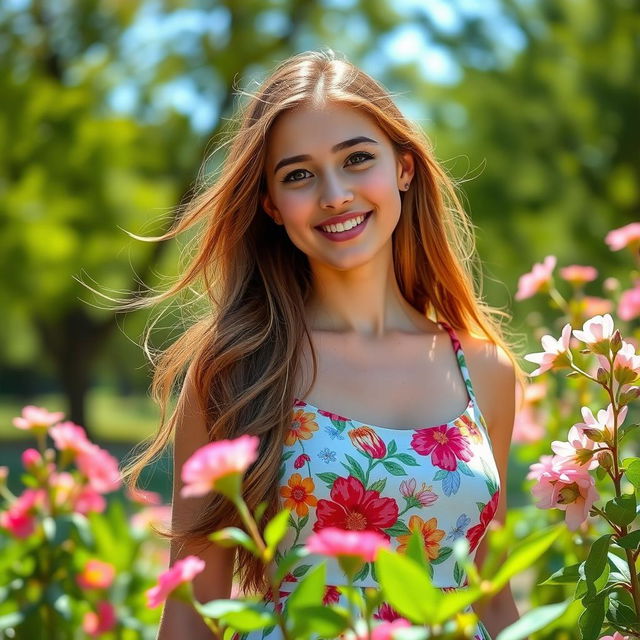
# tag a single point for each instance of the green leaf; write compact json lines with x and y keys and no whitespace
{"x":275,"y":530}
{"x":392,"y":447}
{"x":416,"y":550}
{"x":591,"y":620}
{"x":241,"y":614}
{"x":596,"y":560}
{"x":355,"y":465}
{"x":566,"y":575}
{"x":393,"y":468}
{"x":379,"y":485}
{"x":625,"y":429}
{"x":310,"y":591}
{"x":621,"y":510}
{"x":328,"y":478}
{"x":233,"y":537}
{"x":525,"y":554}
{"x":407,"y":588}
{"x":534,"y":620}
{"x":630,"y":541}
{"x":621,"y":614}
{"x":327,"y":623}
{"x":11,"y":620}
{"x":633,"y":473}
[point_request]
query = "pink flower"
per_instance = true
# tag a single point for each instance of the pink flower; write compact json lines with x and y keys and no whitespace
{"x":89,"y":499}
{"x":20,"y":518}
{"x":629,"y":303}
{"x":596,"y":330}
{"x":385,"y":630}
{"x":616,"y":636}
{"x":526,"y":426}
{"x":603,"y":423}
{"x":445,"y":444}
{"x":577,"y":274}
{"x":100,"y":468}
{"x":96,"y":575}
{"x":37,"y":419}
{"x":224,"y":460}
{"x":593,"y":306}
{"x":538,"y":278}
{"x":334,"y":542}
{"x":155,"y":516}
{"x":31,"y":458}
{"x":95,"y":623}
{"x":626,"y":365}
{"x":555,"y":354}
{"x":577,"y":449}
{"x":386,"y":612}
{"x":623,"y":237}
{"x":367,"y":441}
{"x":423,"y":497}
{"x":562,"y":484}
{"x":183,"y":571}
{"x":63,"y":487}
{"x":140,"y":496}
{"x":300,"y":460}
{"x":68,"y":436}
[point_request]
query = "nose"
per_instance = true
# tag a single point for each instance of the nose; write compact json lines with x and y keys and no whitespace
{"x":335,"y":193}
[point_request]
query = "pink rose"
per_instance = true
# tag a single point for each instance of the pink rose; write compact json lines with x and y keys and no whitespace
{"x":95,"y":623}
{"x":334,"y":542}
{"x":182,"y":571}
{"x":37,"y":419}
{"x":219,"y":466}
{"x":537,"y":279}
{"x":629,"y":235}
{"x":578,"y":275}
{"x":96,"y":575}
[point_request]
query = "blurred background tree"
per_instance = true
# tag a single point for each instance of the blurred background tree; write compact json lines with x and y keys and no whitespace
{"x":109,"y":109}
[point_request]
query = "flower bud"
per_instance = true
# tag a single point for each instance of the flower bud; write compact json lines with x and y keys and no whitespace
{"x":605,"y":459}
{"x":616,"y":341}
{"x":602,"y":376}
{"x":629,"y":395}
{"x":611,"y":284}
{"x":595,"y":434}
{"x":31,"y":459}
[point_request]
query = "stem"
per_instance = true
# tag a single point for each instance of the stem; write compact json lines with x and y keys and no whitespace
{"x":563,"y":305}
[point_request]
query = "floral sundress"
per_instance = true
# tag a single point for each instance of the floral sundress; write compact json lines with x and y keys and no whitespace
{"x":338,"y":472}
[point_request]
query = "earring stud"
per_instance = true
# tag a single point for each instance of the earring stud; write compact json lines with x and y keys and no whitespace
{"x":406,"y":186}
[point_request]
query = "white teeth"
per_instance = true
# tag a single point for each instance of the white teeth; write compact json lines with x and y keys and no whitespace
{"x":343,"y":226}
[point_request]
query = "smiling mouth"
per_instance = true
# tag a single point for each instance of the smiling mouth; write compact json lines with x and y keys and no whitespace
{"x":344,"y":226}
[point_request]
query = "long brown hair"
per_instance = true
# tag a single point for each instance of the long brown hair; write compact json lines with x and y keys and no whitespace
{"x":242,"y":351}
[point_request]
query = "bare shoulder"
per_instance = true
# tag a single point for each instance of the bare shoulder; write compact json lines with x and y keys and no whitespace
{"x":494,"y":381}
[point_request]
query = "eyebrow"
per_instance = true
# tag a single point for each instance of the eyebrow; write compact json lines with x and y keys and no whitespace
{"x":338,"y":147}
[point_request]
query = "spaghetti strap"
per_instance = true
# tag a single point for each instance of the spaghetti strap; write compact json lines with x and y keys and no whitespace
{"x":462,"y":363}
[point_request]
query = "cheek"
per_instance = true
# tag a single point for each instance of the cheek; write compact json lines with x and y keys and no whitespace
{"x":380,"y":186}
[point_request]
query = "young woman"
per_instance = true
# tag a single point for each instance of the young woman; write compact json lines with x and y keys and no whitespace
{"x":343,"y":327}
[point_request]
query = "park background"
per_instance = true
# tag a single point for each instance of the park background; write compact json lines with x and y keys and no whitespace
{"x":110,"y":108}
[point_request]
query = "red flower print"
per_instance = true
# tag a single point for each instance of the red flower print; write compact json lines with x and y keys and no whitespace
{"x":299,"y":403}
{"x":445,"y":444}
{"x":354,"y":508}
{"x":300,"y":460}
{"x":367,"y":441}
{"x":386,"y":612}
{"x":430,"y":534}
{"x":331,"y":595}
{"x":332,"y":416}
{"x":299,"y":494}
{"x":474,"y":535}
{"x":302,"y":427}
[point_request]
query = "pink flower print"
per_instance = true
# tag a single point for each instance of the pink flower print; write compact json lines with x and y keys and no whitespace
{"x":629,"y":303}
{"x":423,"y":497}
{"x":300,"y":460}
{"x":555,"y":354}
{"x":354,"y":508}
{"x":332,"y":416}
{"x":386,"y":612}
{"x":445,"y":444}
{"x":578,"y":275}
{"x":537,"y":279}
{"x":627,"y":236}
{"x":367,"y":441}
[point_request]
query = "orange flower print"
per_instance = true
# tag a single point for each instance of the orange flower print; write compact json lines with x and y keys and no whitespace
{"x":367,"y":441}
{"x":299,"y":494}
{"x":302,"y":427}
{"x":431,"y":534}
{"x":469,"y":429}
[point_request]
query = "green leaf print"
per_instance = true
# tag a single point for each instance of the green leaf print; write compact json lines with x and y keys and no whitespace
{"x":339,"y":424}
{"x":328,"y":478}
{"x":440,"y":474}
{"x":445,"y":552}
{"x":303,"y":521}
{"x":354,"y":468}
{"x":458,"y":574}
{"x":488,"y":471}
{"x":408,"y":459}
{"x":394,"y":468}
{"x":464,"y":468}
{"x":363,"y":573}
{"x":378,"y":485}
{"x":286,"y":455}
{"x":398,"y":529}
{"x":392,"y":447}
{"x":298,"y":572}
{"x":481,"y":506}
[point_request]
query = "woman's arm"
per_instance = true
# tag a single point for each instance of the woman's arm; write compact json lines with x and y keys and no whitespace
{"x":178,"y":619}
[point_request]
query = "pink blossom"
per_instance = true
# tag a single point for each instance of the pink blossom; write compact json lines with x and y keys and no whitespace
{"x":96,"y":575}
{"x":446,"y":445}
{"x":539,"y":277}
{"x":526,"y":426}
{"x":333,"y":542}
{"x":596,"y":330}
{"x":20,"y":518}
{"x":603,"y":422}
{"x":556,"y":352}
{"x":95,"y":623}
{"x":626,"y":365}
{"x":563,"y":484}
{"x":593,"y":306}
{"x":629,"y":303}
{"x":88,"y":499}
{"x":202,"y":472}
{"x":100,"y":468}
{"x":577,"y":449}
{"x":182,"y":571}
{"x":63,"y":487}
{"x":423,"y":497}
{"x":68,"y":436}
{"x":155,"y":516}
{"x":140,"y":496}
{"x":37,"y":419}
{"x":577,"y":274}
{"x":31,"y":458}
{"x":385,"y":630}
{"x":623,"y":237}
{"x":616,"y":636}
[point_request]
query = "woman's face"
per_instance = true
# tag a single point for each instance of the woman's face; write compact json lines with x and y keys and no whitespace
{"x":333,"y":165}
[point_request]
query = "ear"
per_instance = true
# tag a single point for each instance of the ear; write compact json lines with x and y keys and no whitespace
{"x":268,"y":206}
{"x":405,"y":170}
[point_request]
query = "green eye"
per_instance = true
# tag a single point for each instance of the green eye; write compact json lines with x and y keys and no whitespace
{"x":364,"y":155}
{"x":290,"y":176}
